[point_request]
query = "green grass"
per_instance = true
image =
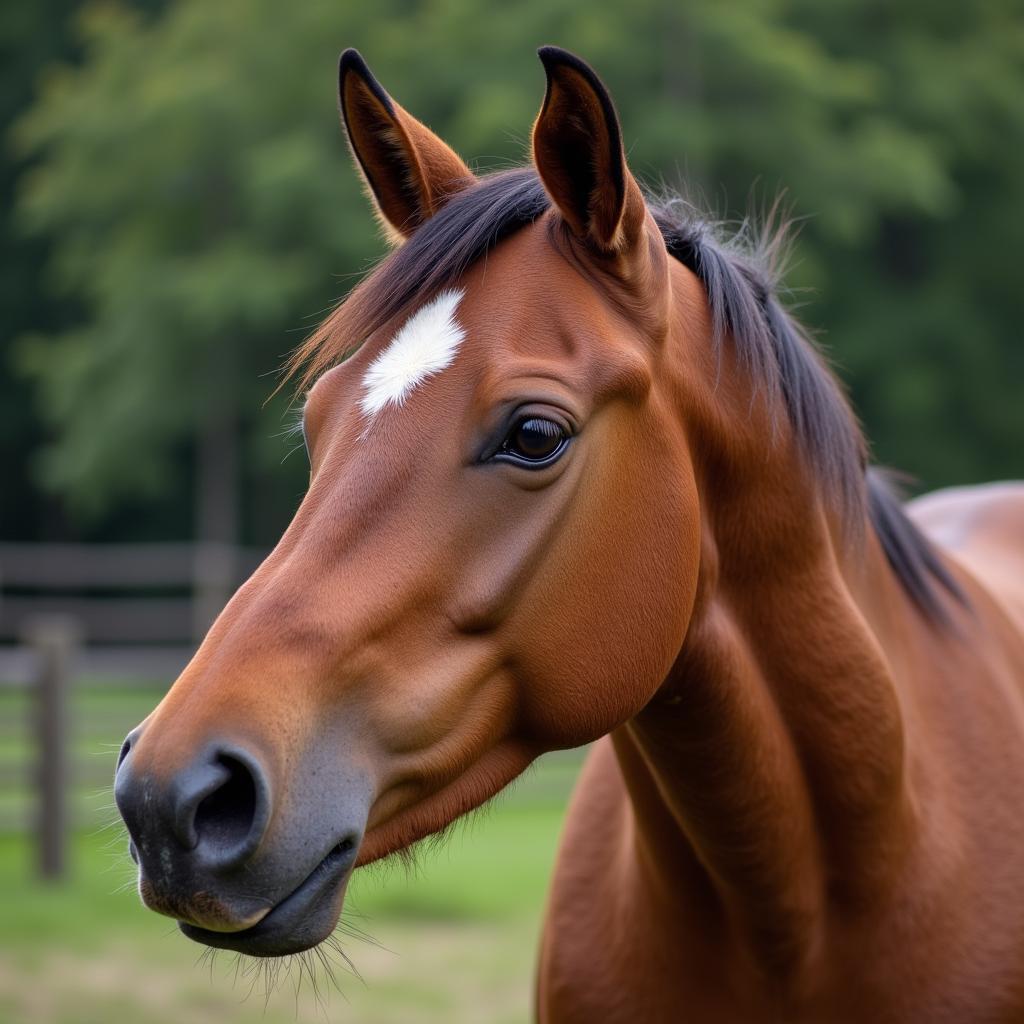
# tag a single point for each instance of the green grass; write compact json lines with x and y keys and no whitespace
{"x":457,"y":933}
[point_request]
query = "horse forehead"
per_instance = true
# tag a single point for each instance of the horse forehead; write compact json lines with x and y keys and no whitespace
{"x":423,"y":346}
{"x":511,"y":306}
{"x":523,"y":300}
{"x":526,"y":299}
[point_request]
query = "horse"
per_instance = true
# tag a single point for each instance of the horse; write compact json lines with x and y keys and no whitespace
{"x":577,"y":477}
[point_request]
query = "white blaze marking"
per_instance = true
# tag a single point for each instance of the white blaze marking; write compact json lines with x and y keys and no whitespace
{"x":424,"y":345}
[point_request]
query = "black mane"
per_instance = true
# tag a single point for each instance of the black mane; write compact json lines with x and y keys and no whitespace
{"x":739,"y":275}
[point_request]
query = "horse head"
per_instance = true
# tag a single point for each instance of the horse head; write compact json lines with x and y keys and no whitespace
{"x":498,"y":551}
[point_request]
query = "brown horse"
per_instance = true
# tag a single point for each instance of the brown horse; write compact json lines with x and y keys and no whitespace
{"x":576,"y":476}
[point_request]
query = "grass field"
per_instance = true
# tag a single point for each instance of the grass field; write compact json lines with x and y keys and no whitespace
{"x":452,"y":939}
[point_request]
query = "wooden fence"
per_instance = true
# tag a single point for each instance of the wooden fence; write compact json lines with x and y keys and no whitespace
{"x":96,"y":616}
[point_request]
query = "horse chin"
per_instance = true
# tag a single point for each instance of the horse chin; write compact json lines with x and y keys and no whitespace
{"x":303,"y":919}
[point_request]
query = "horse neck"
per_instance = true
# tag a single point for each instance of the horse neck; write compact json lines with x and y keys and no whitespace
{"x":773,"y":753}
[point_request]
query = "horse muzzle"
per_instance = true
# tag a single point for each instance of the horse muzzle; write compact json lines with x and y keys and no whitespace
{"x":224,"y":853}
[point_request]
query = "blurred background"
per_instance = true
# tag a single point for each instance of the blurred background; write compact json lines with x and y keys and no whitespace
{"x":179,"y":210}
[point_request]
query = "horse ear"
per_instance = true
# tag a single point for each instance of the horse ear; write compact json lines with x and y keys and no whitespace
{"x":409,"y":171}
{"x":577,"y":148}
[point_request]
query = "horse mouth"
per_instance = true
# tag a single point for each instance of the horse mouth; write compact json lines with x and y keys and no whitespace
{"x":300,"y":921}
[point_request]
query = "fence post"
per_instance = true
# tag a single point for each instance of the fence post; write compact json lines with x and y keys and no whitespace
{"x":54,"y":640}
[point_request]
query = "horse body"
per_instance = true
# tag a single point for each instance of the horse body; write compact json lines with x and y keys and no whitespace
{"x":830,"y":887}
{"x":575,"y":476}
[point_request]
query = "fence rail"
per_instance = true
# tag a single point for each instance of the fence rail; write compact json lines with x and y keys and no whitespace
{"x":114,"y":616}
{"x":63,"y":566}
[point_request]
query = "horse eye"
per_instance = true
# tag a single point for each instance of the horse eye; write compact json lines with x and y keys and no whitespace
{"x":534,"y":442}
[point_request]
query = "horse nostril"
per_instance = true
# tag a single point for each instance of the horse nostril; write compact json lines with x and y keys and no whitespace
{"x":126,"y":747}
{"x":217,"y":810}
{"x":226,"y":813}
{"x":226,"y":816}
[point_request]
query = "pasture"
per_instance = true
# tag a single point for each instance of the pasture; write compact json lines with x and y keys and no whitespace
{"x":452,"y":938}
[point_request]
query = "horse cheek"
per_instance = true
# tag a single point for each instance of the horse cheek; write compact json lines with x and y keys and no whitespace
{"x":614,"y":603}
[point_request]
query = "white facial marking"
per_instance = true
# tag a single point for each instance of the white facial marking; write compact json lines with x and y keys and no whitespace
{"x":424,"y":345}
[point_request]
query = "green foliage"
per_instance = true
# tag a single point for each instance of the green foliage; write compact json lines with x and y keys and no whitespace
{"x":31,"y":35}
{"x":184,"y":178}
{"x":193,"y":180}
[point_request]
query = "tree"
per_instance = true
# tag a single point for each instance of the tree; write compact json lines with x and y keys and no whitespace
{"x":31,"y":36}
{"x":193,"y":179}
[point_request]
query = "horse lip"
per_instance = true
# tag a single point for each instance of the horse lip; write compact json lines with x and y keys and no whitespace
{"x":238,"y":925}
{"x":278,"y":930}
{"x":202,"y":909}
